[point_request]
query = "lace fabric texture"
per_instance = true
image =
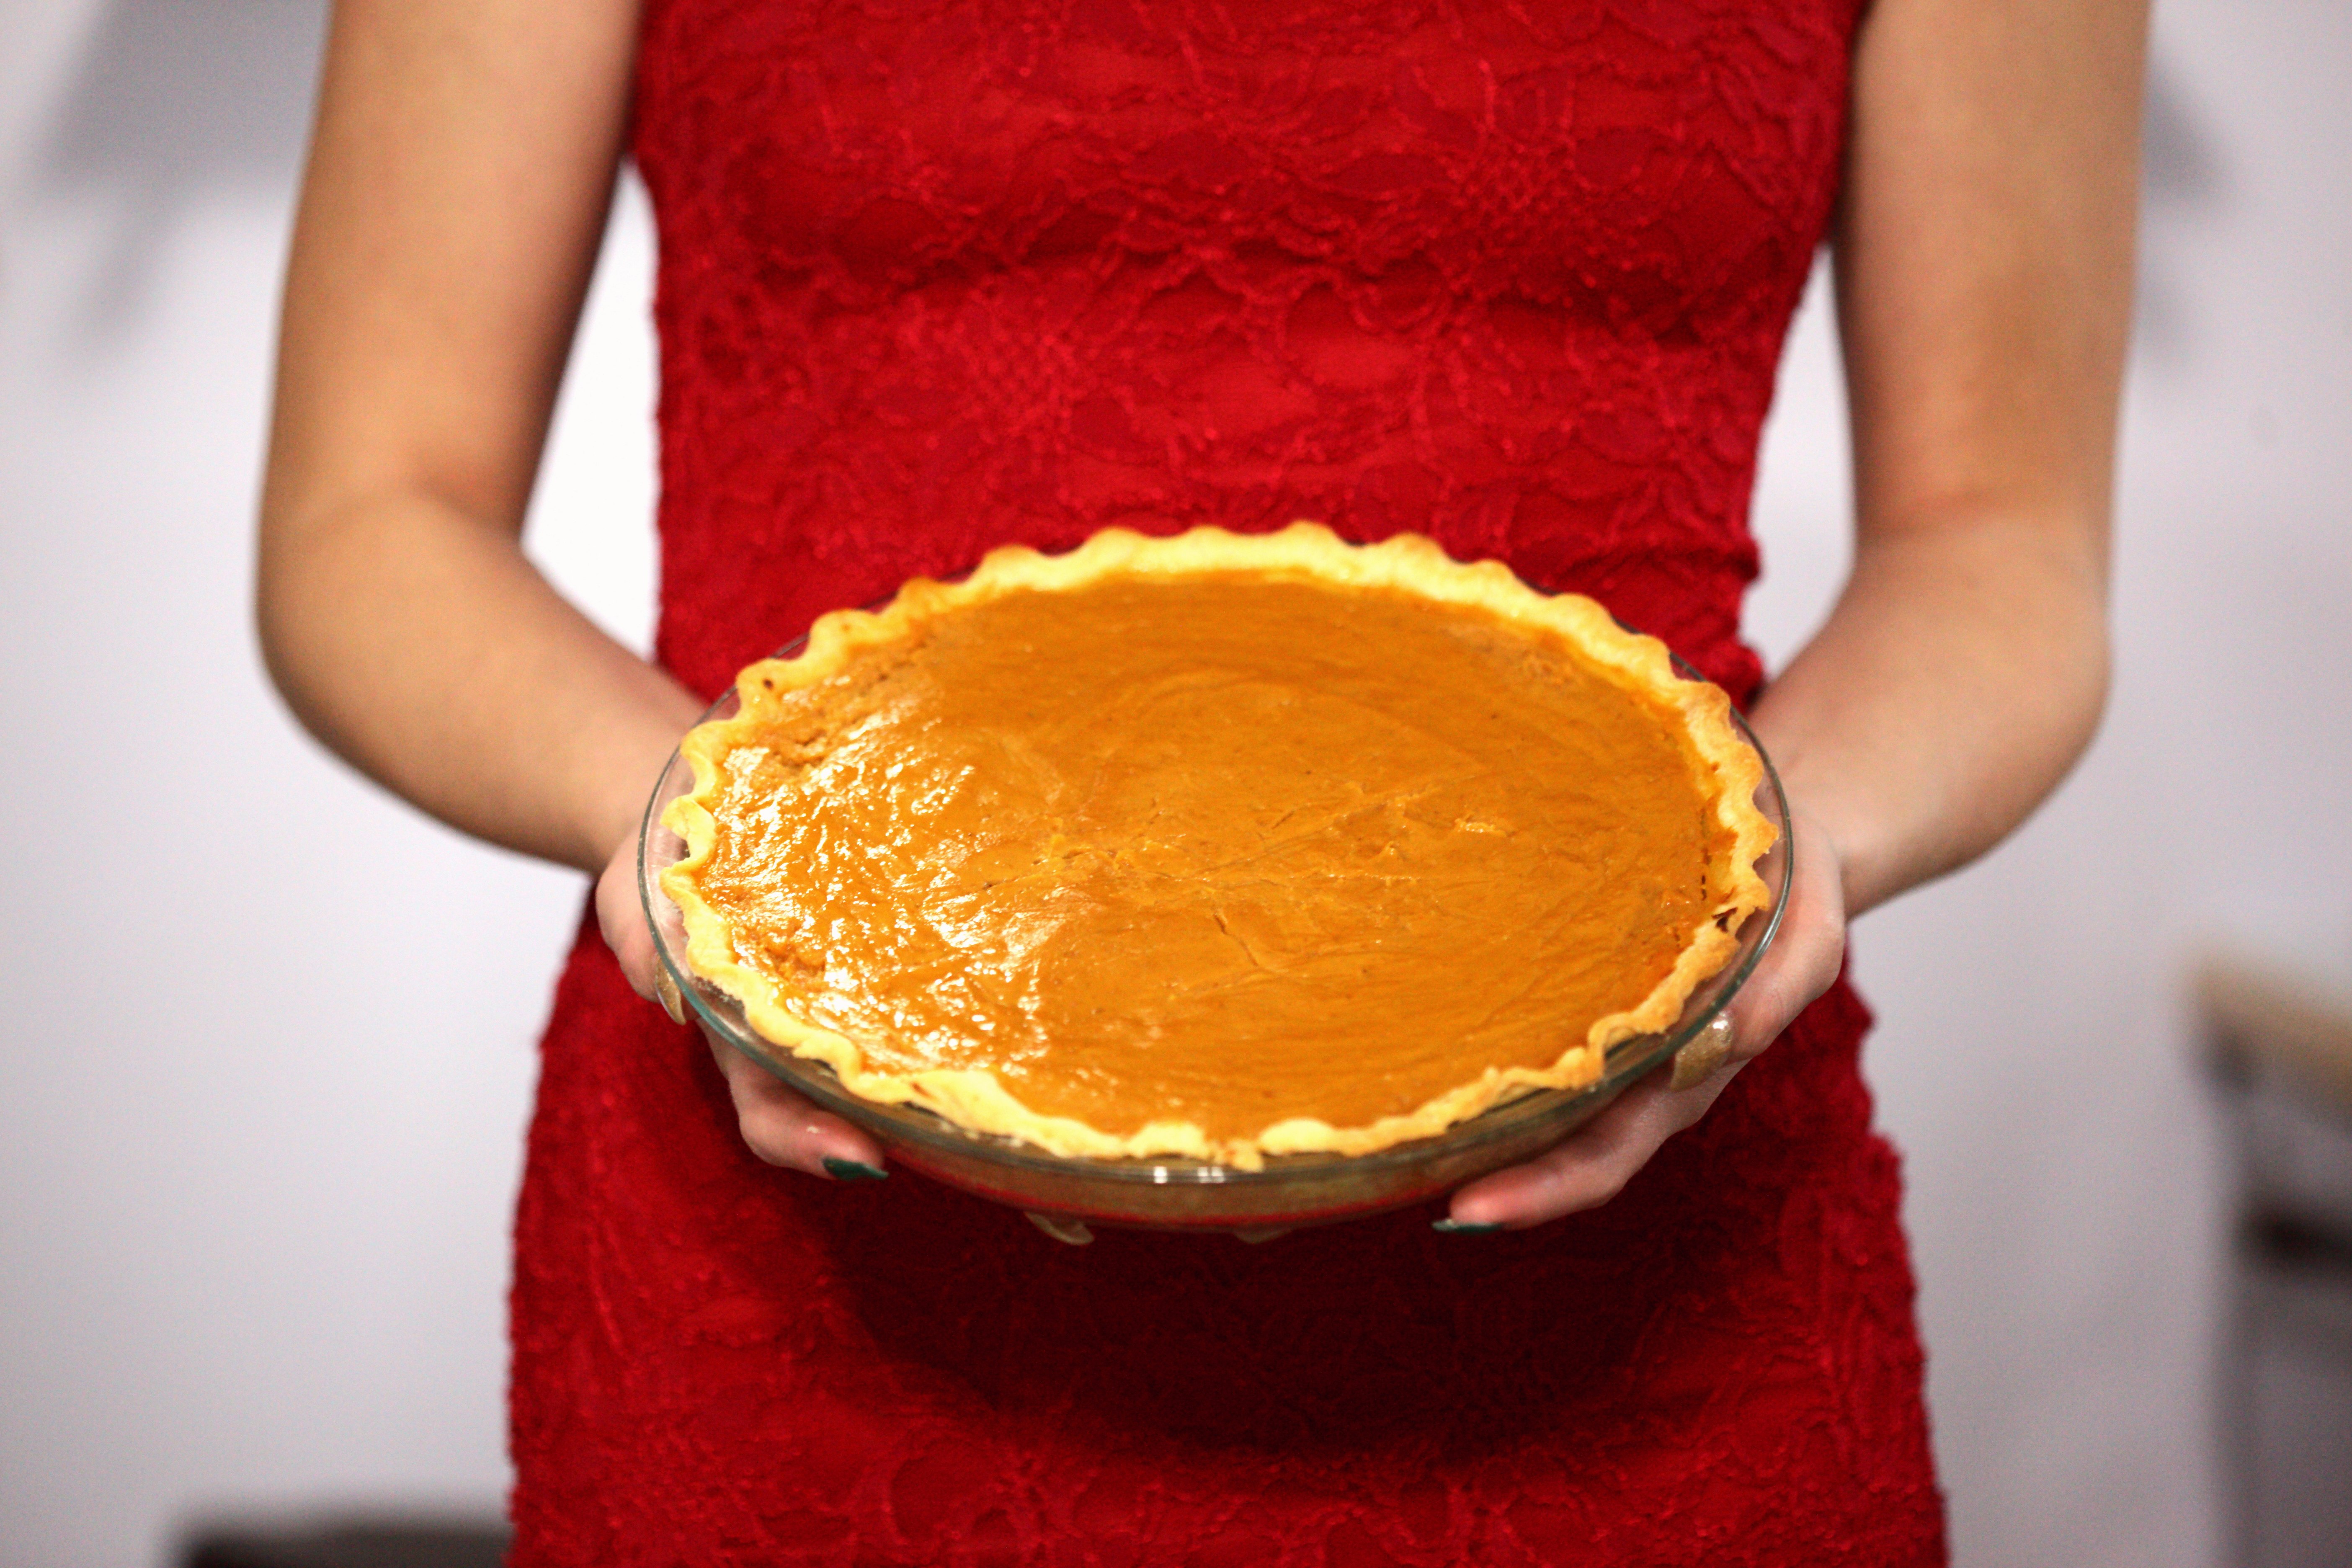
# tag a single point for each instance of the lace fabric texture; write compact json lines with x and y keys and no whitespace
{"x":944,"y":274}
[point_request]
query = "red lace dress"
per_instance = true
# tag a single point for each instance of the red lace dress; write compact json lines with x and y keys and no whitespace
{"x":939,"y":274}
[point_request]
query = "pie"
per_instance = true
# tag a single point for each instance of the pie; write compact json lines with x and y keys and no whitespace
{"x":1219,"y":845}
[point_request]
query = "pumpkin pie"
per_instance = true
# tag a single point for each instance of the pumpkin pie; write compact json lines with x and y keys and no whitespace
{"x":1217,"y":846}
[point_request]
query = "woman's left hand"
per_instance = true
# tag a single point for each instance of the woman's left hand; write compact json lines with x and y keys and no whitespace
{"x":1594,"y":1164}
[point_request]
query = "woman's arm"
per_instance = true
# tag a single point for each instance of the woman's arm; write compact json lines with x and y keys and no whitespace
{"x":1983,"y":257}
{"x":459,"y":180}
{"x":459,"y":175}
{"x":1984,"y":262}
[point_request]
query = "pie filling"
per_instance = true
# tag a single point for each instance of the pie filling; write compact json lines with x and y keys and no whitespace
{"x":1221,"y":849}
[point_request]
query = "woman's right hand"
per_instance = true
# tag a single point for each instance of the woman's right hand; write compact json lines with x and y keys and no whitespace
{"x":778,"y":1124}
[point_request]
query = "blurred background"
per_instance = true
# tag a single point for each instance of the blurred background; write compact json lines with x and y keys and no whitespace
{"x":268,"y":1045}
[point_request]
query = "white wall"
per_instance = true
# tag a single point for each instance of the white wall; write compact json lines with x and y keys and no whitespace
{"x":268,"y":1054}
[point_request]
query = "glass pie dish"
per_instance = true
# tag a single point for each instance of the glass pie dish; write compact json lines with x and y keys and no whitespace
{"x":1178,"y":1193}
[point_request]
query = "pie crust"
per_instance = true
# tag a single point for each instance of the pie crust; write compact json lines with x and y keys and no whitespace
{"x":795,"y":1001}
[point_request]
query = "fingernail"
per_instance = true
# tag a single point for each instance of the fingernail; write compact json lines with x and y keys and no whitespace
{"x":853,"y":1171}
{"x":1451,"y":1227}
{"x":665,"y":989}
{"x":1064,"y":1230}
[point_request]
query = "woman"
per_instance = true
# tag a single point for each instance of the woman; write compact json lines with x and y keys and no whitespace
{"x":955,"y":274}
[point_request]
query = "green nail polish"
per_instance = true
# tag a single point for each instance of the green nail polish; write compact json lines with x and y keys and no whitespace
{"x":1460,"y":1226}
{"x":853,"y":1171}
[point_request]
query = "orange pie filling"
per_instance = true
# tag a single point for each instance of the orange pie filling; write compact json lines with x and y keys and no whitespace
{"x":1221,"y":860}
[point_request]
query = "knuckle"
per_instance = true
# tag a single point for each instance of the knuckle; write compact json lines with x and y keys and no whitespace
{"x":1608,"y":1182}
{"x":773,"y":1144}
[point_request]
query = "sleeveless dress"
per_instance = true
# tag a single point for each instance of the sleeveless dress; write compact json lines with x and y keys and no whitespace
{"x":939,"y":274}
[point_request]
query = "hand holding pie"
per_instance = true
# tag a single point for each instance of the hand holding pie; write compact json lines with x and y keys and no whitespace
{"x":1593,"y":1163}
{"x":780,"y":1126}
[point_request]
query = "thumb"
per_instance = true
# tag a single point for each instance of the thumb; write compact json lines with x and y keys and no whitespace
{"x":620,"y":916}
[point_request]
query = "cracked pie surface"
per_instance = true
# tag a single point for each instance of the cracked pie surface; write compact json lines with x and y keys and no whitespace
{"x":1217,"y":846}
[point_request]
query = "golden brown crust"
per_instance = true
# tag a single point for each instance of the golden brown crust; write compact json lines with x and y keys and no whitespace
{"x":975,"y":1099}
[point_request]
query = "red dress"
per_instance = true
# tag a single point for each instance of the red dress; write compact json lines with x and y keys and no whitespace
{"x":939,"y":274}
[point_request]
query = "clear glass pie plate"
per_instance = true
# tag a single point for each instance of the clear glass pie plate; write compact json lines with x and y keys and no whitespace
{"x":1175,"y":1193}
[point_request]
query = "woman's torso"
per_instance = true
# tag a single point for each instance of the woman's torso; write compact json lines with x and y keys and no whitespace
{"x":940,"y":275}
{"x":936,"y":276}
